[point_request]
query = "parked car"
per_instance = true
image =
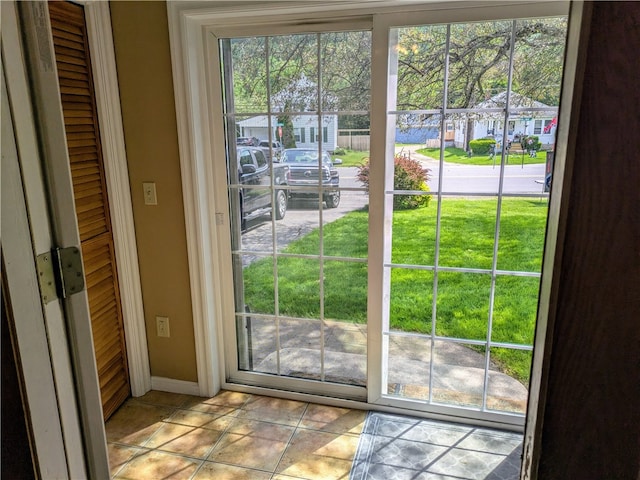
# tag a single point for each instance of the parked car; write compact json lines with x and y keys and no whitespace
{"x":306,"y":171}
{"x":248,"y":141}
{"x":275,"y":147}
{"x":254,"y":174}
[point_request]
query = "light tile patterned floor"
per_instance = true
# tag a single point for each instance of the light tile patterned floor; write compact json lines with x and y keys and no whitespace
{"x":231,"y":436}
{"x":241,"y":436}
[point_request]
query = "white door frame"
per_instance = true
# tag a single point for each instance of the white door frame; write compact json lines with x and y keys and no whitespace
{"x":105,"y":80}
{"x":189,"y":27}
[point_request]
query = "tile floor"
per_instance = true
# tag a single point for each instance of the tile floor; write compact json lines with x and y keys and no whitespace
{"x":241,"y":436}
{"x":231,"y":436}
{"x":394,"y":447}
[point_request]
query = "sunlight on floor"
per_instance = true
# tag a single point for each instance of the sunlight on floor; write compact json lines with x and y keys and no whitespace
{"x":241,"y":436}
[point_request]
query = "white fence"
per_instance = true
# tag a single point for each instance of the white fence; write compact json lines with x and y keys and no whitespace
{"x":355,"y":140}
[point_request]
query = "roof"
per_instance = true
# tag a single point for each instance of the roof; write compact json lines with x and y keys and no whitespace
{"x":298,"y":121}
{"x":516,"y":100}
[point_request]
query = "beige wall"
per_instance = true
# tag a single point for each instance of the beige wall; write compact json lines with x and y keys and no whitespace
{"x":143,"y":60}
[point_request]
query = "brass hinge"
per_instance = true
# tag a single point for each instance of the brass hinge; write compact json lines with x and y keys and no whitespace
{"x":60,"y":273}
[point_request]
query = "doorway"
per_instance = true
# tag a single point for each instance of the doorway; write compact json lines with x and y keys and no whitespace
{"x":442,"y":266}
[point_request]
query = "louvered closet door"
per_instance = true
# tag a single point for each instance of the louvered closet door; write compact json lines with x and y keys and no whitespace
{"x":92,"y":204}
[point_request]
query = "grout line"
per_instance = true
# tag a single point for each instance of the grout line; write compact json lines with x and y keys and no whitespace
{"x":293,"y":433}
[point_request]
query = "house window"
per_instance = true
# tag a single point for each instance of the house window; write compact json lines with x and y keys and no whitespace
{"x":537,"y":127}
{"x":312,"y":135}
{"x":325,"y":134}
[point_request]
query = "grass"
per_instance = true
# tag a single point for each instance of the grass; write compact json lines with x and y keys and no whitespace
{"x":458,"y":155}
{"x":352,"y":158}
{"x":462,"y":310}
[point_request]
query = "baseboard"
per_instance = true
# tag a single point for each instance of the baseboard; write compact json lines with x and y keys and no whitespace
{"x":163,"y":384}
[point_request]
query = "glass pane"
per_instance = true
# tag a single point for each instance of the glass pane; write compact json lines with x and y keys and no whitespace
{"x":298,"y":287}
{"x":538,"y":58}
{"x":420,"y":65}
{"x":522,"y":230}
{"x":411,"y":299}
{"x":340,"y":91}
{"x":508,"y":380}
{"x":347,"y":235}
{"x":345,"y":353}
{"x":463,"y":305}
{"x":353,"y":140}
{"x":249,"y":75}
{"x":458,"y":371}
{"x":261,"y":342}
{"x":293,"y":73}
{"x":300,"y":342}
{"x":298,"y":232}
{"x":515,"y":309}
{"x":478,"y":62}
{"x":467,"y":229}
{"x":414,"y":231}
{"x":345,"y":291}
{"x":256,"y":292}
{"x":408,"y":366}
{"x":345,"y":345}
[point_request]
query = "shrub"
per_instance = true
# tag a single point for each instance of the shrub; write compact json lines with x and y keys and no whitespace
{"x":407,"y":175}
{"x":530,"y":142}
{"x":481,"y":146}
{"x":339,"y":151}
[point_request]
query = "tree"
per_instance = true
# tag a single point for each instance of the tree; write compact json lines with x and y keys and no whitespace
{"x":293,"y":74}
{"x":289,"y":69}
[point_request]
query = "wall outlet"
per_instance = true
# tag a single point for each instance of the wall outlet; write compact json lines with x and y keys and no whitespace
{"x":162,"y":326}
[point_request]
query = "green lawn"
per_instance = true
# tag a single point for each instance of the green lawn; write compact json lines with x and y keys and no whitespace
{"x":352,"y":158}
{"x":466,"y":240}
{"x":458,"y":155}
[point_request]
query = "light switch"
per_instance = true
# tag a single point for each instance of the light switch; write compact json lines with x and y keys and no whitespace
{"x":150,"y":197}
{"x":162,"y":326}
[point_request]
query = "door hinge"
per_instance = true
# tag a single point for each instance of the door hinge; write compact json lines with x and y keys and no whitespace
{"x":60,"y":273}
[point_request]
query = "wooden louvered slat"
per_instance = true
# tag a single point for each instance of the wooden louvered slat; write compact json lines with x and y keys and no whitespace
{"x":92,"y":207}
{"x":65,"y":40}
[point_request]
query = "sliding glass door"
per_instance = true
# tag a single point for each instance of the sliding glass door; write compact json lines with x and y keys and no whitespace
{"x":387,"y":189}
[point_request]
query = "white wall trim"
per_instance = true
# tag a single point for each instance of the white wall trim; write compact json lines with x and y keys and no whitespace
{"x":186,"y":56}
{"x":163,"y":384}
{"x":105,"y":78}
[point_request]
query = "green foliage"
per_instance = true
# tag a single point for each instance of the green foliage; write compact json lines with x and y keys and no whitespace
{"x":530,"y":143}
{"x":479,"y":62}
{"x":481,"y":146}
{"x":339,"y":151}
{"x":408,"y":175}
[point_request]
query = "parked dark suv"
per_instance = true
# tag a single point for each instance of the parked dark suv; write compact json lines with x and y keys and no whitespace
{"x":254,"y":174}
{"x":306,"y":171}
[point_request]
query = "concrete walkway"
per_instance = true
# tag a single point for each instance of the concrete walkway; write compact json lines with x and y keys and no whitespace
{"x":458,"y":371}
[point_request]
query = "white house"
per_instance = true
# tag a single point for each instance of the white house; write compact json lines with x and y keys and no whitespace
{"x":306,"y":130}
{"x":529,"y":118}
